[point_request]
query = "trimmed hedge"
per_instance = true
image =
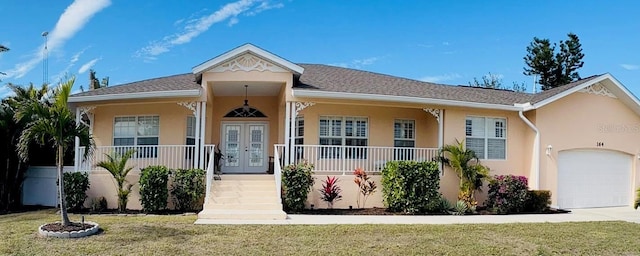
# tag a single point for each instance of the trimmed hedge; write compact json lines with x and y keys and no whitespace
{"x":188,"y":189}
{"x":153,"y":188}
{"x":296,"y":184}
{"x":411,"y":187}
{"x":538,"y":201}
{"x":76,"y":185}
{"x":507,"y":194}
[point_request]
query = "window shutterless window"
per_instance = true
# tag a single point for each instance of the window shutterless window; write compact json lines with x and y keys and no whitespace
{"x":191,"y":137}
{"x":487,"y":137}
{"x":137,"y":131}
{"x":404,"y":139}
{"x":344,"y":131}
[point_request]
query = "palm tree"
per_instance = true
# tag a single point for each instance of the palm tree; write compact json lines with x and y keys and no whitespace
{"x":53,"y":123}
{"x":466,"y":165}
{"x":13,"y":168}
{"x":116,"y":164}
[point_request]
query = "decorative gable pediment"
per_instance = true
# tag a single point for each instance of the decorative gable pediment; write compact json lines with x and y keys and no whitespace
{"x":247,"y":62}
{"x":597,"y":89}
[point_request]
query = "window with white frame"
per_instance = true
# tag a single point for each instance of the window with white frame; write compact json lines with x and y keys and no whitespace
{"x":191,"y":130}
{"x":299,"y":130}
{"x":404,"y":133}
{"x":137,"y":131}
{"x":404,"y":139}
{"x":344,"y":131}
{"x":487,"y":137}
{"x":191,"y":137}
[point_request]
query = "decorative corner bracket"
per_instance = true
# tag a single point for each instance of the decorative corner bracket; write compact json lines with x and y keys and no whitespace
{"x":190,"y":105}
{"x":433,"y":111}
{"x":299,"y":106}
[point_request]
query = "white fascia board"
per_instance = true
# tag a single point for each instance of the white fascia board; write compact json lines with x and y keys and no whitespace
{"x":247,"y":48}
{"x":624,"y":89}
{"x":402,"y":99}
{"x":136,"y":95}
{"x":570,"y":91}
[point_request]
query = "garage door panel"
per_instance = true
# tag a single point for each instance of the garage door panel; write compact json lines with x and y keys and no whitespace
{"x":593,"y":178}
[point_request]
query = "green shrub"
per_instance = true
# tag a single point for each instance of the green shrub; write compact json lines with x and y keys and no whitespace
{"x":153,"y":188}
{"x":296,"y":183}
{"x":538,"y":200}
{"x":409,"y":186}
{"x":442,"y":205}
{"x":76,"y":185}
{"x":188,"y":189}
{"x":99,"y":204}
{"x":507,"y":194}
{"x":461,"y":208}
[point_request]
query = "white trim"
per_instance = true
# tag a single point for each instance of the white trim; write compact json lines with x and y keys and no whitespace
{"x":196,"y":155}
{"x":486,"y":136}
{"x":76,"y":144}
{"x":402,"y":99}
{"x":203,"y":133}
{"x":287,"y":131}
{"x":630,"y":98}
{"x":245,"y":49}
{"x":137,"y":95}
{"x":536,"y":151}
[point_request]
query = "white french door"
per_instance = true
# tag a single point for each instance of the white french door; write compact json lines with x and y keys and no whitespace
{"x":244,"y":145}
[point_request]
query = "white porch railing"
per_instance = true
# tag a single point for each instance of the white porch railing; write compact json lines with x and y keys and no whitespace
{"x":172,"y":156}
{"x":278,"y":149}
{"x":210,"y":153}
{"x":346,"y":159}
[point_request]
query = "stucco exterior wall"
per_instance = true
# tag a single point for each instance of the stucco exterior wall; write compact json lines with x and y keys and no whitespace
{"x":173,"y":121}
{"x":519,"y":145}
{"x":350,"y":192}
{"x":581,"y":121}
{"x":381,"y":123}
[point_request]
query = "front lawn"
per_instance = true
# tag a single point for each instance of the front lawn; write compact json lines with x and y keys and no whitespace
{"x":177,"y":235}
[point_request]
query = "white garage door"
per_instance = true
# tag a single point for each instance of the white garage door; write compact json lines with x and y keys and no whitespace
{"x":593,"y":178}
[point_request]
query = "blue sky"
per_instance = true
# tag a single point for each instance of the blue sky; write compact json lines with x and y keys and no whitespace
{"x":440,"y":41}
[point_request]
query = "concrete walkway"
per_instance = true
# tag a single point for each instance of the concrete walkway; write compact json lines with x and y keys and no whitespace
{"x":577,"y":215}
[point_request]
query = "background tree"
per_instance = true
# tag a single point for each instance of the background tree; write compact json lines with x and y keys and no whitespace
{"x":12,"y":169}
{"x":555,"y":68}
{"x":95,"y":83}
{"x":3,"y":49}
{"x":53,"y":123}
{"x":495,"y":82}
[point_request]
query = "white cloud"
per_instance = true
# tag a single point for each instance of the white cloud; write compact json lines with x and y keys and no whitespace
{"x":357,"y":63}
{"x":445,"y":43}
{"x":441,"y":78}
{"x":88,"y":65}
{"x":630,"y":66}
{"x":194,"y":27}
{"x":4,"y":91}
{"x":72,"y":20}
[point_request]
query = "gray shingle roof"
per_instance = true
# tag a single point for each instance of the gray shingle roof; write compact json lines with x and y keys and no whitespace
{"x":337,"y":79}
{"x":168,"y":83}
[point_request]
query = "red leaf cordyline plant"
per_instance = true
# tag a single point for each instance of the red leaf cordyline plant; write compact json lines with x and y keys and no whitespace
{"x":330,"y":191}
{"x":365,"y":185}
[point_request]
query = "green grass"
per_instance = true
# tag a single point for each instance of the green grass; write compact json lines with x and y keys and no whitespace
{"x":177,"y":235}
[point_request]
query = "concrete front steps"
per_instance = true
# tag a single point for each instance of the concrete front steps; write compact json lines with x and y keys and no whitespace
{"x":243,"y":197}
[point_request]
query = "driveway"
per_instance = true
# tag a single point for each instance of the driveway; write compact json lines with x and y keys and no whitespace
{"x":577,"y":215}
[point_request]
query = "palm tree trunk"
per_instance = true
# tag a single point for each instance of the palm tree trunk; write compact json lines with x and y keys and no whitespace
{"x":63,"y":203}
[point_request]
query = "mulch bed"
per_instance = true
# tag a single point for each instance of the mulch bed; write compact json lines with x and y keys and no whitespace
{"x":383,"y":211}
{"x":58,"y":227}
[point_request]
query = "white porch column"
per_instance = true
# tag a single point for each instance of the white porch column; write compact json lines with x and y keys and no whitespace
{"x":287,"y":132}
{"x":197,"y":136}
{"x":203,"y":133}
{"x":76,"y":160}
{"x":292,"y":133}
{"x":438,"y":114}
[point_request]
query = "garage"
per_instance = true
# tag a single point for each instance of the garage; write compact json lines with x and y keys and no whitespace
{"x":593,"y":178}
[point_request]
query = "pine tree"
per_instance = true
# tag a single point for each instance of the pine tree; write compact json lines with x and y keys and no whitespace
{"x":554,"y":68}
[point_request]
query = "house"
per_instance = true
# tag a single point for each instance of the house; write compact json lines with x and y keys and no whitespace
{"x":581,"y":141}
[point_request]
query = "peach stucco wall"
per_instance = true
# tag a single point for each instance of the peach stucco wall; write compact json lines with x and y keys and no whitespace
{"x":580,"y":121}
{"x":518,"y":146}
{"x":381,"y":122}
